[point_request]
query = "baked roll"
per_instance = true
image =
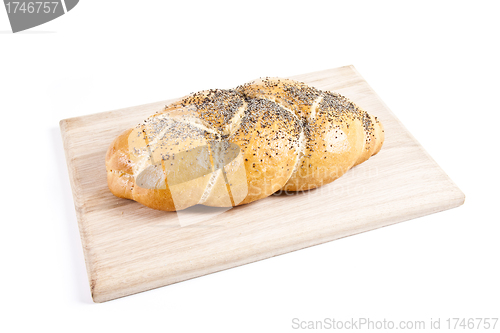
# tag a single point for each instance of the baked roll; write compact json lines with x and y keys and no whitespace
{"x":226,"y":148}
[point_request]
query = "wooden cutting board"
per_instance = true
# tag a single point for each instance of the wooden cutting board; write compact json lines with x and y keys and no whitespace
{"x":130,"y":248}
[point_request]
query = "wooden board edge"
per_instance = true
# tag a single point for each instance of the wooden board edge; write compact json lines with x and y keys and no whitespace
{"x":69,"y":123}
{"x":455,"y":199}
{"x":79,"y":209}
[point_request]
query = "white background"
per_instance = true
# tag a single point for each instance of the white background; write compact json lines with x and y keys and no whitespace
{"x":434,"y":63}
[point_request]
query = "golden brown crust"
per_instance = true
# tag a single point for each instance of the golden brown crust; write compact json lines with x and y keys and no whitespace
{"x":119,"y":168}
{"x":230,"y":147}
{"x":268,"y":137}
{"x":293,"y":95}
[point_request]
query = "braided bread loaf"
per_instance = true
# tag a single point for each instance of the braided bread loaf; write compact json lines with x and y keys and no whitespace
{"x":226,"y":148}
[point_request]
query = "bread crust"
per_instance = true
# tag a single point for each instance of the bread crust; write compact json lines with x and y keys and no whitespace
{"x":226,"y":148}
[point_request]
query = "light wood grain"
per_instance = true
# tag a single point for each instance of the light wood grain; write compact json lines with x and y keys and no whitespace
{"x":130,"y":248}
